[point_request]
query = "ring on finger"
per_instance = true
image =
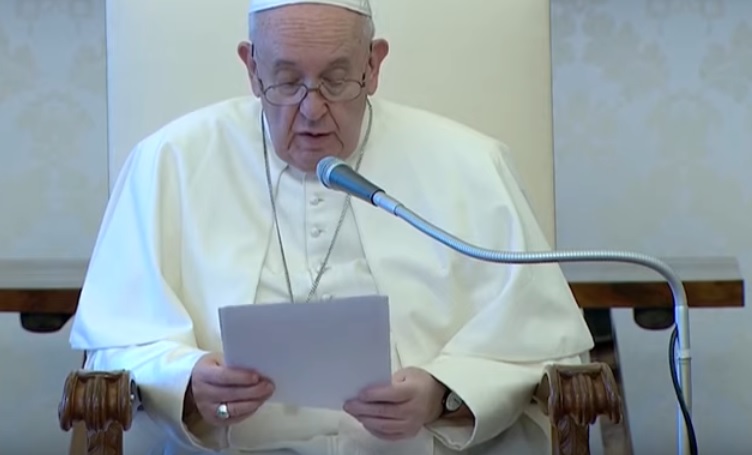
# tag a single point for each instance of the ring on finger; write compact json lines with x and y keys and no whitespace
{"x":223,"y":412}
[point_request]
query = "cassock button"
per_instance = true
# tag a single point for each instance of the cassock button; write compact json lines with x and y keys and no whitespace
{"x":315,"y":201}
{"x":315,"y":232}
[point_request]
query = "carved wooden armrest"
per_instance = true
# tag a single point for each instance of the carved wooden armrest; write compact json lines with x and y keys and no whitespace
{"x":573,"y":397}
{"x":105,"y":403}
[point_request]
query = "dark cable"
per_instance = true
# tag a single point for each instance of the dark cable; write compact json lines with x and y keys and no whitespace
{"x":679,"y":396}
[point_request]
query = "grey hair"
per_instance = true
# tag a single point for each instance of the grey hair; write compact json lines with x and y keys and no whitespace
{"x":369,"y":28}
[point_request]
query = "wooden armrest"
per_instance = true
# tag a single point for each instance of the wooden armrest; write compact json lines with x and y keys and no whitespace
{"x":573,"y":397}
{"x":104,"y":403}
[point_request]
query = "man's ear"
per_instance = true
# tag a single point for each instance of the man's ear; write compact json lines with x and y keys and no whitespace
{"x":246,"y":54}
{"x":379,"y":51}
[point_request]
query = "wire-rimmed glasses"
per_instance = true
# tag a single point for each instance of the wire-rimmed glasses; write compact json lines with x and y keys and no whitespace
{"x":337,"y":91}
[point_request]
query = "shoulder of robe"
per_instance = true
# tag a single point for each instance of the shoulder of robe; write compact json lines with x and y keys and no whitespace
{"x":189,"y":138}
{"x":430,"y":139}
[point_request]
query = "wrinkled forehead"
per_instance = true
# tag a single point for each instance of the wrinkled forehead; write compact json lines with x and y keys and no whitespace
{"x":310,"y":37}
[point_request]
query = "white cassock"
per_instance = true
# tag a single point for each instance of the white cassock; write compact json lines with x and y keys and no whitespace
{"x":189,"y":229}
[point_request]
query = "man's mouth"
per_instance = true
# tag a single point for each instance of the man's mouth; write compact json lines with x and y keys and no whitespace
{"x":313,"y":140}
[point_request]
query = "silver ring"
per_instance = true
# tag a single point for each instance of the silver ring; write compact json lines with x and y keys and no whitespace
{"x":222,"y":412}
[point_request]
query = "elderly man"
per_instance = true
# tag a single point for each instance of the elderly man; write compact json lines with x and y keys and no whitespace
{"x":222,"y":207}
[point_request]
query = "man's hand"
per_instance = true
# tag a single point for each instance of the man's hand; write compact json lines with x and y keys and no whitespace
{"x":400,"y":410}
{"x":212,"y":384}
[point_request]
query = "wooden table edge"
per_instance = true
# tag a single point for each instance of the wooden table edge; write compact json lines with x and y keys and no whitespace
{"x":589,"y":295}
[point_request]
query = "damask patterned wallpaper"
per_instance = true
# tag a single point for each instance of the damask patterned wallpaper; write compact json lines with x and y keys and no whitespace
{"x":53,"y":189}
{"x":652,"y":149}
{"x":53,"y":125}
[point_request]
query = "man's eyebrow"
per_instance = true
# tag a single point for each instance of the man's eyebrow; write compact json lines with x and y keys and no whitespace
{"x":283,"y":64}
{"x":341,"y":62}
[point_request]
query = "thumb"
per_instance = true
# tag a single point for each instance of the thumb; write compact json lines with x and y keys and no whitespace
{"x":212,"y":359}
{"x":400,"y":376}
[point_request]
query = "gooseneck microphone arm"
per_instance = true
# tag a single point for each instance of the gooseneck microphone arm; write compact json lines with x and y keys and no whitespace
{"x":337,"y":175}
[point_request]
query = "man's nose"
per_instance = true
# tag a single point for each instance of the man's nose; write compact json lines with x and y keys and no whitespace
{"x":313,"y":106}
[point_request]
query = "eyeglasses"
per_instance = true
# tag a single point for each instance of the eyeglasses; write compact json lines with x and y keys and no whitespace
{"x":333,"y":91}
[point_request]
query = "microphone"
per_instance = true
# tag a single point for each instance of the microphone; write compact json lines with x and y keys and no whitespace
{"x":335,"y":174}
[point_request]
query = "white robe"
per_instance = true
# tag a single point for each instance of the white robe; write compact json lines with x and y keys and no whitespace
{"x":189,"y":229}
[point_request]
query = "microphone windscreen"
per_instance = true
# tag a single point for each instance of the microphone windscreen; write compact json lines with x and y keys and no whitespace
{"x":325,"y":167}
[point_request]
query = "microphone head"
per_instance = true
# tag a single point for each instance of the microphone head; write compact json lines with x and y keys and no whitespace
{"x":325,"y":167}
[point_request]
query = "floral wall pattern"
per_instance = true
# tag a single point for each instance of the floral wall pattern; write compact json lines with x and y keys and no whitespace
{"x":53,"y":121}
{"x":652,"y":103}
{"x":53,"y":188}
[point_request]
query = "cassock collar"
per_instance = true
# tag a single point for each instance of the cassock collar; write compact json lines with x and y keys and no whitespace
{"x":277,"y":166}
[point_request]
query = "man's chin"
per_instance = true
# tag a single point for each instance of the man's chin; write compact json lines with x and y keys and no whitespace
{"x":306,"y":160}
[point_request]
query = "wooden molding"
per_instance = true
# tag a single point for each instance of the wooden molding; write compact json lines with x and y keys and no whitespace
{"x":700,"y":294}
{"x":54,"y":287}
{"x":39,"y":301}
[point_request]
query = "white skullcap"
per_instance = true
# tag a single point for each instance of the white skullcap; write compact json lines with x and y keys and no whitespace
{"x":359,"y":6}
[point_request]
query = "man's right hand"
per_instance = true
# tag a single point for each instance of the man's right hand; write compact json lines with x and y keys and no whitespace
{"x":212,"y":383}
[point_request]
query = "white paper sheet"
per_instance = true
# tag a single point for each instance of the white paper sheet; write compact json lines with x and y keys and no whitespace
{"x":318,"y":354}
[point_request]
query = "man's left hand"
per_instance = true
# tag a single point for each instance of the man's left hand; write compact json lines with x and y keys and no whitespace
{"x":400,"y":410}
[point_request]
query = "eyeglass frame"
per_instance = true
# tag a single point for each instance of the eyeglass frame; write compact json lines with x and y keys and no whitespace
{"x":317,"y":88}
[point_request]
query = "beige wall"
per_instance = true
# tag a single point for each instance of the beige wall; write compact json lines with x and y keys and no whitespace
{"x":484,"y":63}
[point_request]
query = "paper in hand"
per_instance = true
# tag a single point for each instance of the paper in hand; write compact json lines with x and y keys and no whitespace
{"x":318,"y":354}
